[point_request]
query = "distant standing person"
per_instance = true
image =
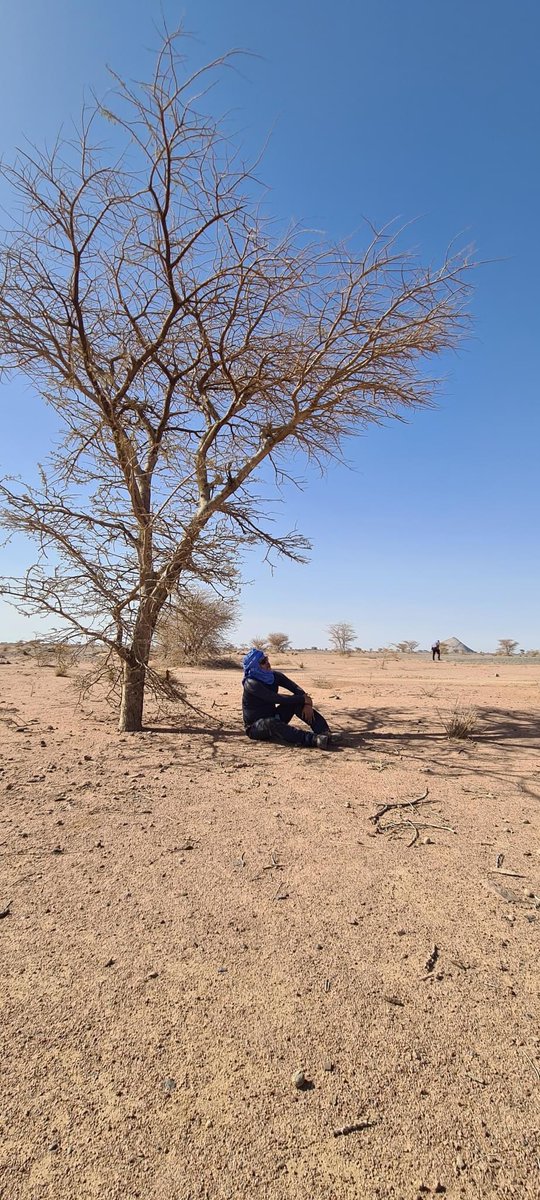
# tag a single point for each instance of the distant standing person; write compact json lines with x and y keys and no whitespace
{"x":267,"y":714}
{"x":436,"y":650}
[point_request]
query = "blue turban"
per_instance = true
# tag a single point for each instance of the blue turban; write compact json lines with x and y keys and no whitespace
{"x":252,"y":668}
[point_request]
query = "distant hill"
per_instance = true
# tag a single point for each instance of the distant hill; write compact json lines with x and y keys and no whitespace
{"x":457,"y":647}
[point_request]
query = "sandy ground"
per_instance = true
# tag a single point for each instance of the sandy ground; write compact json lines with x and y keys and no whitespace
{"x":194,"y":917}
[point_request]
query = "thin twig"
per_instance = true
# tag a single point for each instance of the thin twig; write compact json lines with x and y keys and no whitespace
{"x":344,"y":1130}
{"x":398,"y":804}
{"x":514,"y":874}
{"x":532,"y":1064}
{"x":432,"y":959}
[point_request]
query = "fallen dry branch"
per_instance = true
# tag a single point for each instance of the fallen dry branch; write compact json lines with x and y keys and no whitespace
{"x":396,"y":826}
{"x":514,"y":874}
{"x":432,"y":959}
{"x":344,"y":1130}
{"x":375,"y":818}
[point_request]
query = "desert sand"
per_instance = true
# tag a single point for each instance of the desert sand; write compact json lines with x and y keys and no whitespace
{"x":190,"y":918}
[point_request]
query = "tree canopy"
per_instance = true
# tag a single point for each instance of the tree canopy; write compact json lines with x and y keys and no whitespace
{"x":183,"y":341}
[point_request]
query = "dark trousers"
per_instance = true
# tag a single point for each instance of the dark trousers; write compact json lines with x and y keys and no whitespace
{"x":438,"y":653}
{"x":278,"y":729}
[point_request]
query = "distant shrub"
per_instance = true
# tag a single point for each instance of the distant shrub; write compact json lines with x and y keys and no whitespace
{"x":64,"y":658}
{"x":278,"y":643}
{"x":193,"y":627}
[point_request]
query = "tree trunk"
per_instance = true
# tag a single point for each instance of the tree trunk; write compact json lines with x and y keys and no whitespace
{"x":131,"y":706}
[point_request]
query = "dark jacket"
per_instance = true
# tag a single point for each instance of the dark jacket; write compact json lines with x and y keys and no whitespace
{"x":261,"y":699}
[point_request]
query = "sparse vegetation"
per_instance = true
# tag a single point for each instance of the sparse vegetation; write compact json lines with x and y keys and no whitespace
{"x":278,"y":643}
{"x":194,"y":626}
{"x":260,"y":643}
{"x":64,"y":658}
{"x":342,"y":636}
{"x":460,"y":721}
{"x":507,"y":646}
{"x":183,"y":343}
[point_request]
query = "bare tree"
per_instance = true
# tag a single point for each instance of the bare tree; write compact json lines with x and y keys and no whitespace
{"x":278,"y":643}
{"x":183,"y":343}
{"x":507,"y":646}
{"x":259,"y":642}
{"x":342,"y":636}
{"x":192,"y":627}
{"x":406,"y":647}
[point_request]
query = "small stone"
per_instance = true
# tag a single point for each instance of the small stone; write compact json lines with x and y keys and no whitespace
{"x":153,"y":974}
{"x":427,"y":841}
{"x":53,"y":1146}
{"x":169,"y":1085}
{"x":57,"y":850}
{"x":43,"y":742}
{"x":110,"y":962}
{"x":460,"y":1162}
{"x":328,"y":1065}
{"x":299,"y":1080}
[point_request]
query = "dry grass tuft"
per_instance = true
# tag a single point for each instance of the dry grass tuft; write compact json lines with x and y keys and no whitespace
{"x":460,"y":721}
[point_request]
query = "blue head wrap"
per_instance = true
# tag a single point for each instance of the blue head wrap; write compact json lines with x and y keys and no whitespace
{"x":253,"y":670}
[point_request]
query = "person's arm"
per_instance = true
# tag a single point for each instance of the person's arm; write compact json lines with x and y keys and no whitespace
{"x":260,"y":691}
{"x":284,"y":682}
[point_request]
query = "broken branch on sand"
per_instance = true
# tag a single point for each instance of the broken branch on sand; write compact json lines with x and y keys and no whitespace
{"x":356,"y":1128}
{"x":398,"y":804}
{"x":396,"y":826}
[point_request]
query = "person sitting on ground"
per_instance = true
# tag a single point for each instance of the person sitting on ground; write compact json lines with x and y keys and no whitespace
{"x":267,"y":714}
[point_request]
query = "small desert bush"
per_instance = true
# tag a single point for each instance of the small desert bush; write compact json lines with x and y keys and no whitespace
{"x":64,"y":658}
{"x":460,"y":721}
{"x":193,"y":627}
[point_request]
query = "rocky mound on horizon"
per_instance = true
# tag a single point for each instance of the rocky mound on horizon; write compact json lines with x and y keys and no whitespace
{"x":457,"y":647}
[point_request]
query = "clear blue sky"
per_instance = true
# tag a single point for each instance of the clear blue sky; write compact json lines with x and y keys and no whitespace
{"x":379,"y":108}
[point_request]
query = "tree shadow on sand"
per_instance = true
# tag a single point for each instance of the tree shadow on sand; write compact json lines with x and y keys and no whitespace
{"x":493,"y":725}
{"x":499,"y":732}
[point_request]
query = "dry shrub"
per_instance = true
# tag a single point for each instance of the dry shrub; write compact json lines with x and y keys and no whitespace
{"x":278,"y":643}
{"x":192,"y":630}
{"x":259,"y":643}
{"x":460,"y":721}
{"x":64,"y":658}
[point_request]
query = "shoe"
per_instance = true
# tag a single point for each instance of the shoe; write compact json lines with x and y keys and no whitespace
{"x":336,"y":739}
{"x":322,"y":741}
